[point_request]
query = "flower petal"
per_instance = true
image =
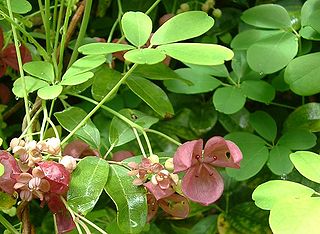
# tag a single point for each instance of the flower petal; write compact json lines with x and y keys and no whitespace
{"x":222,"y":153}
{"x":200,"y":186}
{"x":152,"y":206}
{"x":157,"y":191}
{"x":185,"y":155}
{"x":175,"y":205}
{"x":11,"y":172}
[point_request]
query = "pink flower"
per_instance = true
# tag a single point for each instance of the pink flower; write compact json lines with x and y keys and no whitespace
{"x":202,"y":183}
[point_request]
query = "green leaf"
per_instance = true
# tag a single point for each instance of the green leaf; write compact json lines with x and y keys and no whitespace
{"x":182,"y":26}
{"x":121,"y":132}
{"x":238,"y":121}
{"x":1,"y":169}
{"x":298,"y":139}
{"x":83,"y":65}
{"x":104,"y":80}
{"x":228,"y":100}
{"x":82,"y":197}
{"x":302,"y":72}
{"x":197,"y":53}
{"x":151,"y":94}
{"x":305,"y":117}
{"x":203,"y":118}
{"x":77,"y":79}
{"x":267,"y":16}
{"x":308,"y":164}
{"x":273,"y":53}
{"x":7,"y":201}
{"x":206,"y":225}
{"x":307,"y":10}
{"x":268,"y":194}
{"x":279,"y":162}
{"x":255,"y":155}
{"x":50,"y":92}
{"x":103,"y":48}
{"x":244,"y":218}
{"x":137,"y":27}
{"x":40,"y":69}
{"x":200,"y":82}
{"x":130,"y":200}
{"x":215,"y":70}
{"x":245,"y":39}
{"x":264,"y":124}
{"x":144,"y":56}
{"x":296,"y":216}
{"x":158,"y":71}
{"x":32,"y":84}
{"x":20,"y":6}
{"x":258,"y":90}
{"x":314,"y":20}
{"x":71,"y":117}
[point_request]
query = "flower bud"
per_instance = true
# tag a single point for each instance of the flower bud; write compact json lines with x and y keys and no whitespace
{"x":211,"y":3}
{"x":169,"y":164}
{"x":217,"y":13}
{"x":53,"y":145}
{"x":154,"y":158}
{"x":16,"y":142}
{"x":26,"y":195}
{"x":185,"y":7}
{"x":205,"y":7}
{"x":69,"y":163}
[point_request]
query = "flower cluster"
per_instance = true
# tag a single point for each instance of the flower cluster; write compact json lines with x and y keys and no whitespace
{"x":31,"y":177}
{"x":200,"y":183}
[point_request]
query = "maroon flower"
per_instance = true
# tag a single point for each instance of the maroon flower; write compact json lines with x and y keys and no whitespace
{"x":8,"y":56}
{"x":175,"y":205}
{"x":79,"y":149}
{"x":11,"y":172}
{"x":202,"y":183}
{"x":57,"y":176}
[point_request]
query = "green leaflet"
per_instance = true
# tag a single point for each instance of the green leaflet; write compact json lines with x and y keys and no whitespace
{"x":87,"y":183}
{"x":130,"y":200}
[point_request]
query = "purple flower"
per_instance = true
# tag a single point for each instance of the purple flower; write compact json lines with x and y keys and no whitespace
{"x":202,"y":183}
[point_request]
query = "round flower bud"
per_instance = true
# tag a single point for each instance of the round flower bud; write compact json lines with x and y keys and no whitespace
{"x":53,"y":145}
{"x":205,"y":7}
{"x":69,"y":163}
{"x":16,"y":142}
{"x":169,"y":164}
{"x":154,"y":158}
{"x":185,"y":7}
{"x":211,"y":3}
{"x":216,"y":13}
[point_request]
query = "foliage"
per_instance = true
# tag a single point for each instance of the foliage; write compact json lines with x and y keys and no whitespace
{"x":159,"y":116}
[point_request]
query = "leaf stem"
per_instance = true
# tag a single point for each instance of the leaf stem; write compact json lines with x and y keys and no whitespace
{"x":139,"y":142}
{"x":64,"y":37}
{"x":148,"y":142}
{"x":14,"y":24}
{"x":8,"y":225}
{"x":82,"y":31}
{"x":282,"y":105}
{"x":112,"y":91}
{"x":163,"y":135}
{"x":153,"y":6}
{"x":90,"y":223}
{"x":44,"y":120}
{"x":17,"y":47}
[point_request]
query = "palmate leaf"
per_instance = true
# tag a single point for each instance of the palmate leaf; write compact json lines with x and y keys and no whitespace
{"x":130,"y":200}
{"x":40,"y":69}
{"x":103,"y":48}
{"x":228,"y":100}
{"x":144,"y":56}
{"x":50,"y":92}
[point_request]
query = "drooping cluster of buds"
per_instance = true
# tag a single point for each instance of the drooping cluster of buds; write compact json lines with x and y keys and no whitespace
{"x":30,"y":152}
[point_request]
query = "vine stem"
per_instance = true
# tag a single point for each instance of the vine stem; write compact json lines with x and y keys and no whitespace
{"x":82,"y":31}
{"x":14,"y":24}
{"x":44,"y":120}
{"x":153,"y":6}
{"x":112,"y":91}
{"x":126,"y":120}
{"x":8,"y":225}
{"x":17,"y":47}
